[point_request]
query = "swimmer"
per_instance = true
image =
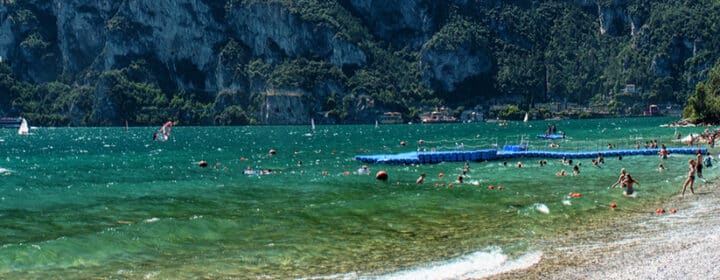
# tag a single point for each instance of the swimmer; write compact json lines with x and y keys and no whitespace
{"x":561,"y":173}
{"x":576,"y":170}
{"x":629,"y":181}
{"x":691,"y":177}
{"x":364,"y":170}
{"x":460,"y":180}
{"x":519,"y":164}
{"x":420,"y":179}
{"x":661,"y":167}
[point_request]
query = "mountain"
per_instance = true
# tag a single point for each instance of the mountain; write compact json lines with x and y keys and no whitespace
{"x":82,"y":62}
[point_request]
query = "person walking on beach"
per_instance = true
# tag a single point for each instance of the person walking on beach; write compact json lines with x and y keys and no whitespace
{"x":621,"y":179}
{"x":628,"y":182}
{"x":690,"y":179}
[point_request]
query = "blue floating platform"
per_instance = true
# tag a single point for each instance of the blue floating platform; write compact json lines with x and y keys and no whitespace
{"x":507,"y":152}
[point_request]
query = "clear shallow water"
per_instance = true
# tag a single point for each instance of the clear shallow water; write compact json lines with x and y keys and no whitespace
{"x":81,"y":202}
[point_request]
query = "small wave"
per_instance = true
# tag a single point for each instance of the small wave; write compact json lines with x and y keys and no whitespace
{"x":152,"y":220}
{"x":476,"y":265}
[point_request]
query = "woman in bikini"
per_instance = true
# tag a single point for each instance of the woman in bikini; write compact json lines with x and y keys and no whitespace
{"x":691,"y":178}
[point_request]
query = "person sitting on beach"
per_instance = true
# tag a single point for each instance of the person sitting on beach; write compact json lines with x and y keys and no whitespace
{"x":690,"y":179}
{"x":620,"y":179}
{"x":421,"y":179}
{"x":628,"y":182}
{"x":561,"y":173}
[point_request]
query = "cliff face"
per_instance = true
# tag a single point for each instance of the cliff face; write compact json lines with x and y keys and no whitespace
{"x":231,"y":53}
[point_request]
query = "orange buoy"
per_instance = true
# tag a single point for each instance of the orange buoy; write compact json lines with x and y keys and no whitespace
{"x":403,"y":143}
{"x":491,"y":187}
{"x":673,"y":211}
{"x":202,"y":163}
{"x":441,"y":175}
{"x":575,"y":194}
{"x":381,"y":175}
{"x":660,"y":211}
{"x":613,"y":205}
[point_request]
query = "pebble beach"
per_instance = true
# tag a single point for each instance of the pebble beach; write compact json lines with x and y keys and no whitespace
{"x":682,"y":245}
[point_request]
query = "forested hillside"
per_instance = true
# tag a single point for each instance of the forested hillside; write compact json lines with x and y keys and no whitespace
{"x":234,"y":62}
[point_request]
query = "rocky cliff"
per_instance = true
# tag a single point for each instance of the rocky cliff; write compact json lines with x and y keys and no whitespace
{"x":336,"y":54}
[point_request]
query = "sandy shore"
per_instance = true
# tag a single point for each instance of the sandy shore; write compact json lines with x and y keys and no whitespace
{"x":684,"y":245}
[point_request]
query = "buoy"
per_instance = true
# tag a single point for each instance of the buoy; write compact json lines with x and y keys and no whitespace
{"x":381,"y":175}
{"x":660,"y":211}
{"x":272,"y":152}
{"x":673,"y":211}
{"x":491,"y":187}
{"x":403,"y":143}
{"x":441,"y":175}
{"x":346,"y":173}
{"x":575,"y":195}
{"x":613,"y":205}
{"x":202,"y":163}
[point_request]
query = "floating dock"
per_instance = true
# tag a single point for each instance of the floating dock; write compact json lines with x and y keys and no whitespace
{"x":506,"y":153}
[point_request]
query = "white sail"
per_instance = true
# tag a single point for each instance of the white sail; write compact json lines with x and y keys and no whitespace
{"x":312,"y":124}
{"x":24,"y":129}
{"x":376,"y":124}
{"x":526,"y":118}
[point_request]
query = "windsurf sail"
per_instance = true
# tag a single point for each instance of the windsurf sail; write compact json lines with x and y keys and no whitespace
{"x":24,"y":129}
{"x":164,"y":132}
{"x":526,"y":118}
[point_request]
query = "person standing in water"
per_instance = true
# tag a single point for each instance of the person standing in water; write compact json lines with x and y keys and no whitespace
{"x":621,"y":179}
{"x":628,"y":182}
{"x":699,"y":165}
{"x":691,"y":178}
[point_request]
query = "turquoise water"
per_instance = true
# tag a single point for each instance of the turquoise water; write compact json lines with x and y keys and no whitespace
{"x":84,"y":202}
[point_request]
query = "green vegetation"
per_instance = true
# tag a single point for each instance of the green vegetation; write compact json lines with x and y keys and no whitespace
{"x":548,"y":51}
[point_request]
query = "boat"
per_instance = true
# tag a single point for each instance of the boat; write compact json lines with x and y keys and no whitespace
{"x":8,"y":122}
{"x":391,"y":118}
{"x":551,"y":136}
{"x":24,"y":129}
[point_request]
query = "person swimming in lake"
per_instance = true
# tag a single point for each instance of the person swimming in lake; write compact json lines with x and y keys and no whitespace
{"x":621,"y":179}
{"x":576,"y":170}
{"x":690,"y":179}
{"x":661,"y":167}
{"x":628,"y":182}
{"x":561,"y":173}
{"x":420,"y":179}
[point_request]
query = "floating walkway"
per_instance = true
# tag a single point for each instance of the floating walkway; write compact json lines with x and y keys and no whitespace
{"x":506,"y":153}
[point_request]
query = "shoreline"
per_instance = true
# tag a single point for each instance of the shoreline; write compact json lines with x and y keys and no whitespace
{"x":684,"y":245}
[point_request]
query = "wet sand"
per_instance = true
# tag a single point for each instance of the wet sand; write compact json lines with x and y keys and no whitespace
{"x":684,"y":245}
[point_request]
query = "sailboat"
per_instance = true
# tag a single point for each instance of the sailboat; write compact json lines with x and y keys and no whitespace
{"x":24,"y":129}
{"x":312,"y":128}
{"x":376,"y":124}
{"x":526,"y":118}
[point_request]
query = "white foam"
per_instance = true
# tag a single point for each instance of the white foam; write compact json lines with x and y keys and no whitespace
{"x":476,"y":265}
{"x":542,"y":208}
